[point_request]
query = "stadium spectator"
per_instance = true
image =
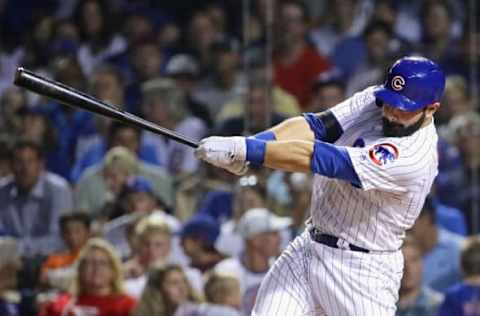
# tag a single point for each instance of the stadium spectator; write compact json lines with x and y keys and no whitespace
{"x":296,"y":64}
{"x":167,"y":288}
{"x":164,"y":105}
{"x":106,"y":83}
{"x":10,"y":298}
{"x":33,"y":201}
{"x":436,"y":27}
{"x":103,"y":182}
{"x":57,"y":270}
{"x":456,"y":99}
{"x":229,"y":207}
{"x":100,"y":41}
{"x":153,"y":243}
{"x":259,"y":115}
{"x":440,"y":250}
{"x":146,"y":60}
{"x":379,"y":54}
{"x":462,"y":299}
{"x":463,"y":131}
{"x":223,"y":290}
{"x":12,"y":100}
{"x":415,"y":299}
{"x":225,"y":82}
{"x":263,"y":107}
{"x":260,"y":229}
{"x":119,"y":134}
{"x":328,"y":90}
{"x":97,"y":288}
{"x":185,"y":70}
{"x":136,"y":201}
{"x":198,"y":236}
{"x":201,"y":34}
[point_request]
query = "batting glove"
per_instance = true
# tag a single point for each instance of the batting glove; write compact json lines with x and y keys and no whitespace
{"x":225,"y":152}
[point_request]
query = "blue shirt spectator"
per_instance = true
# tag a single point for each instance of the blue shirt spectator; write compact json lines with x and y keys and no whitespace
{"x":414,"y":298}
{"x":119,"y":135}
{"x":452,"y":219}
{"x":440,"y":249}
{"x":443,"y":261}
{"x":463,"y":299}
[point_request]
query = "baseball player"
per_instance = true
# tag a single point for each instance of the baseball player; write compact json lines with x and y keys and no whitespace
{"x":374,"y":159}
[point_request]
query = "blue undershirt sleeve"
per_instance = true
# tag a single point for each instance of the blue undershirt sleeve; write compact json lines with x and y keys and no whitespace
{"x":333,"y":162}
{"x":316,"y":125}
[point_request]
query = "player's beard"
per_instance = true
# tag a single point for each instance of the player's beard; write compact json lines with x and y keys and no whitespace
{"x":392,"y":129}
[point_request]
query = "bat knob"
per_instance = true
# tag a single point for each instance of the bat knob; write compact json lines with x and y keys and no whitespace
{"x":18,"y":75}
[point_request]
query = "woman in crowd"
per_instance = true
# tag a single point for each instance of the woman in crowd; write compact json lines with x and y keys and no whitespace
{"x":97,"y":288}
{"x":167,"y":288}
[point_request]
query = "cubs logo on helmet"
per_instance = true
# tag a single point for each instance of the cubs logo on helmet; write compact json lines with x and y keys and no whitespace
{"x":381,"y":154}
{"x":398,"y":83}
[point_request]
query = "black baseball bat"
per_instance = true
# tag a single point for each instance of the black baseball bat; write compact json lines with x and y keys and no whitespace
{"x":72,"y":97}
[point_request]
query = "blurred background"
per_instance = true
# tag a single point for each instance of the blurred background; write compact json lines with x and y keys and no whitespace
{"x":99,"y":218}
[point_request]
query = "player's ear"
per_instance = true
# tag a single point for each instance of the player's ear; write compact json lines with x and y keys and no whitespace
{"x":431,"y":109}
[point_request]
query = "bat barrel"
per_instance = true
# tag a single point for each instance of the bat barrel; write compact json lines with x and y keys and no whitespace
{"x":69,"y":96}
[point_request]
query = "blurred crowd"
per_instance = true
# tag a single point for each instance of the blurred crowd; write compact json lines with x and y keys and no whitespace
{"x":101,"y":218}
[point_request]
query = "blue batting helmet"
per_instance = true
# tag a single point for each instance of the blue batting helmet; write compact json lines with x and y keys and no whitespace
{"x":412,"y":83}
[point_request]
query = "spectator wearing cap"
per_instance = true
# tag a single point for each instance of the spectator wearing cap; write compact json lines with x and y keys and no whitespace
{"x":137,"y":200}
{"x":184,"y":69}
{"x":260,"y":229}
{"x":225,"y":82}
{"x":440,"y":249}
{"x":198,"y":236}
{"x":103,"y":182}
{"x":462,"y":299}
{"x":164,"y":104}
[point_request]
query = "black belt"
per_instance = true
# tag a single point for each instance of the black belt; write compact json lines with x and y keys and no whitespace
{"x":333,"y":241}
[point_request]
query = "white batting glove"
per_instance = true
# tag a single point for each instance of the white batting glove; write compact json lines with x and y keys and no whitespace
{"x":225,"y":152}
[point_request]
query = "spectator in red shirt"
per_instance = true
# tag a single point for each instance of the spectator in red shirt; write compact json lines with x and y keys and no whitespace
{"x":296,"y":63}
{"x":97,"y":288}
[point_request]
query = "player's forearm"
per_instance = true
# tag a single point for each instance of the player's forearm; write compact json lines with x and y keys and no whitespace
{"x":291,"y":155}
{"x":295,"y":128}
{"x":303,"y":156}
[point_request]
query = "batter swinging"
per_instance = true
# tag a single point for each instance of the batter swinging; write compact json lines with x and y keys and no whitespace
{"x":374,"y":157}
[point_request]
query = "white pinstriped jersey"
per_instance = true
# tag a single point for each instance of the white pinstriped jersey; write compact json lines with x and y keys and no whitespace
{"x":396,"y":174}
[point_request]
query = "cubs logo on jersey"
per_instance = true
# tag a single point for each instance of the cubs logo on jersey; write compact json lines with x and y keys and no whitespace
{"x":383,"y":153}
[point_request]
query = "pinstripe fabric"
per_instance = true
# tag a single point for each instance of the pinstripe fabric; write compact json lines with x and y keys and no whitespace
{"x":313,"y":279}
{"x":310,"y":278}
{"x":376,"y":216}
